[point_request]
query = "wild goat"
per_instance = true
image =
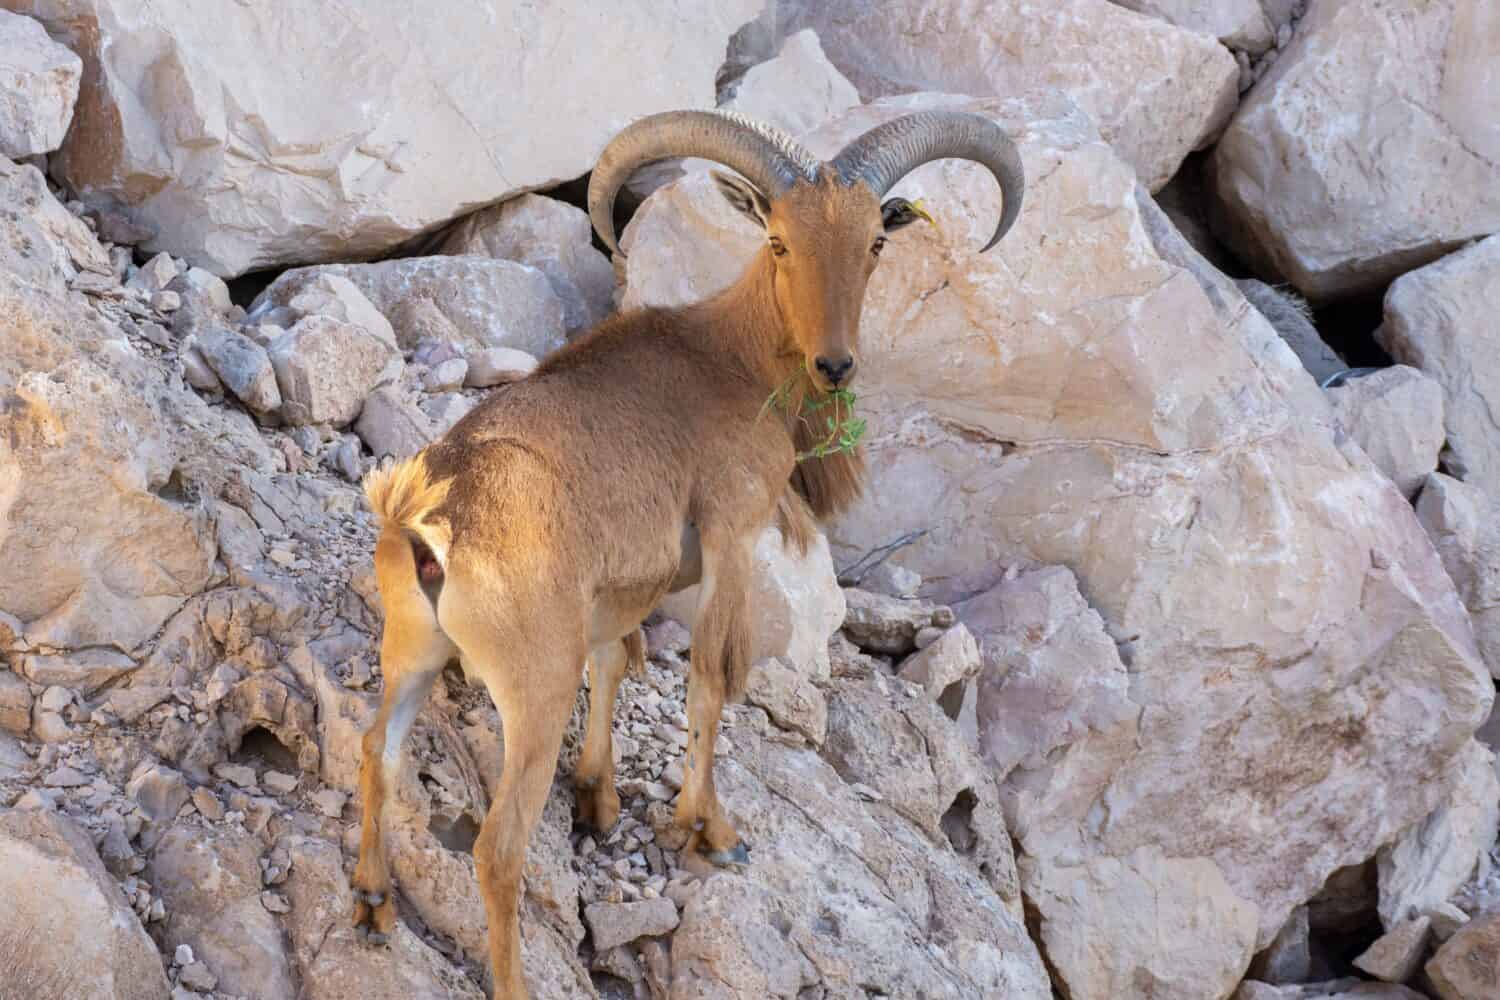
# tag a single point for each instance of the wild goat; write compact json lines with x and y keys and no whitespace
{"x":642,"y":458}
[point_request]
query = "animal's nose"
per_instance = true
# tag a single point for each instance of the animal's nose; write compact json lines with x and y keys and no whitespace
{"x":835,"y":370}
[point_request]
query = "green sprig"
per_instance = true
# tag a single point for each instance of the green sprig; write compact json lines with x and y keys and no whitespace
{"x":844,"y":429}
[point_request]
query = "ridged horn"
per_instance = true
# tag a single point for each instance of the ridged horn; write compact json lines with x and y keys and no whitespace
{"x":887,"y":153}
{"x":766,"y":157}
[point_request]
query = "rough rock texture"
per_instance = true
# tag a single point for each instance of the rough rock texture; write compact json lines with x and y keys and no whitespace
{"x":794,"y":88}
{"x":1292,"y":318}
{"x":1339,"y":989}
{"x":795,"y":604}
{"x":325,"y":369}
{"x":212,"y":885}
{"x":797,"y":90}
{"x":1396,"y":955}
{"x":1396,"y":416}
{"x":1464,"y":524}
{"x":38,"y":85}
{"x":1467,"y":967}
{"x":90,"y":415}
{"x":1175,"y":927}
{"x":489,"y":303}
{"x":1239,"y":24}
{"x":1441,"y":319}
{"x":900,"y":909}
{"x":65,"y":929}
{"x":1272,"y":595}
{"x":405,"y":131}
{"x":1369,"y":149}
{"x":1156,"y":91}
{"x":551,"y":236}
{"x":1428,"y":863}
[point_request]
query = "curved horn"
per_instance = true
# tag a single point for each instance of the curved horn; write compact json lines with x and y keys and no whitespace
{"x":767,"y":158}
{"x":887,"y":153}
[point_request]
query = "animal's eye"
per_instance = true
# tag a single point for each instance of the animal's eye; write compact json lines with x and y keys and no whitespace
{"x":777,"y":247}
{"x":878,"y":245}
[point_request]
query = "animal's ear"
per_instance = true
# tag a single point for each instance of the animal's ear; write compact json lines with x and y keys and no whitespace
{"x":743,"y":196}
{"x":898,"y":212}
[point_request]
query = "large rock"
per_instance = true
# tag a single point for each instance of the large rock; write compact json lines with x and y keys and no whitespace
{"x":1396,"y":416}
{"x":1428,"y":863}
{"x":325,"y":368}
{"x":1467,"y":967}
{"x":333,"y":962}
{"x":88,"y":415}
{"x":551,"y":236}
{"x":1369,"y":149}
{"x":855,"y":897}
{"x":795,"y":604}
{"x":1239,"y":24}
{"x":1156,"y":91}
{"x":1290,"y":636}
{"x":198,"y":120}
{"x":1338,"y":989}
{"x":1441,"y":319}
{"x":65,"y":929}
{"x":489,"y":303}
{"x":795,"y":89}
{"x":38,"y":85}
{"x":211,"y":884}
{"x":1464,"y":523}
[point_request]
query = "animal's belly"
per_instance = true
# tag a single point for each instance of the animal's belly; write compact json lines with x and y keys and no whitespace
{"x":618,"y":611}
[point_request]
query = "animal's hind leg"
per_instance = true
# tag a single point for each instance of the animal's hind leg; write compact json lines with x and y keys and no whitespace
{"x":534,"y":705}
{"x":594,"y":775}
{"x":412,"y":652}
{"x":720,"y":663}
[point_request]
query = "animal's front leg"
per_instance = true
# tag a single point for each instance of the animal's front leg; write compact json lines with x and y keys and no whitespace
{"x":720,"y":664}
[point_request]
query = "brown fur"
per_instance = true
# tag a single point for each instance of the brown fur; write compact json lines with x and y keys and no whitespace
{"x":560,"y":510}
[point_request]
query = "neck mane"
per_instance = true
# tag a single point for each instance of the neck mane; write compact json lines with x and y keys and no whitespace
{"x":758,"y":337}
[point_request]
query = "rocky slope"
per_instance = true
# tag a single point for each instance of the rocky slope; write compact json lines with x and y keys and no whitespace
{"x":1178,"y":684}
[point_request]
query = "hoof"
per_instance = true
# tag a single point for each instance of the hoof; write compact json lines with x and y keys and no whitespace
{"x":737,"y":856}
{"x":374,"y":939}
{"x":370,"y":898}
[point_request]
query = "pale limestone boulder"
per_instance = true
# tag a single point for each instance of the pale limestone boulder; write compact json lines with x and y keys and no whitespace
{"x":1370,"y":148}
{"x":1428,"y":863}
{"x":1467,"y":967}
{"x":15,"y":704}
{"x":791,"y":700}
{"x":855,"y":896}
{"x":1464,"y":524}
{"x":90,"y":416}
{"x":1157,"y":92}
{"x":795,"y":604}
{"x":211,"y":883}
{"x":796,"y":91}
{"x":1396,"y":416}
{"x":65,"y":929}
{"x":614,"y":924}
{"x":487,"y":303}
{"x":794,"y":88}
{"x":1397,"y":955}
{"x":325,"y":368}
{"x":493,"y":366}
{"x":1091,"y":394}
{"x":252,"y":136}
{"x":1049,"y":673}
{"x":243,"y":366}
{"x":1441,"y":319}
{"x":947,"y":670}
{"x":38,"y":87}
{"x":551,"y":236}
{"x":1172,"y":927}
{"x":1238,"y":24}
{"x":333,"y":963}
